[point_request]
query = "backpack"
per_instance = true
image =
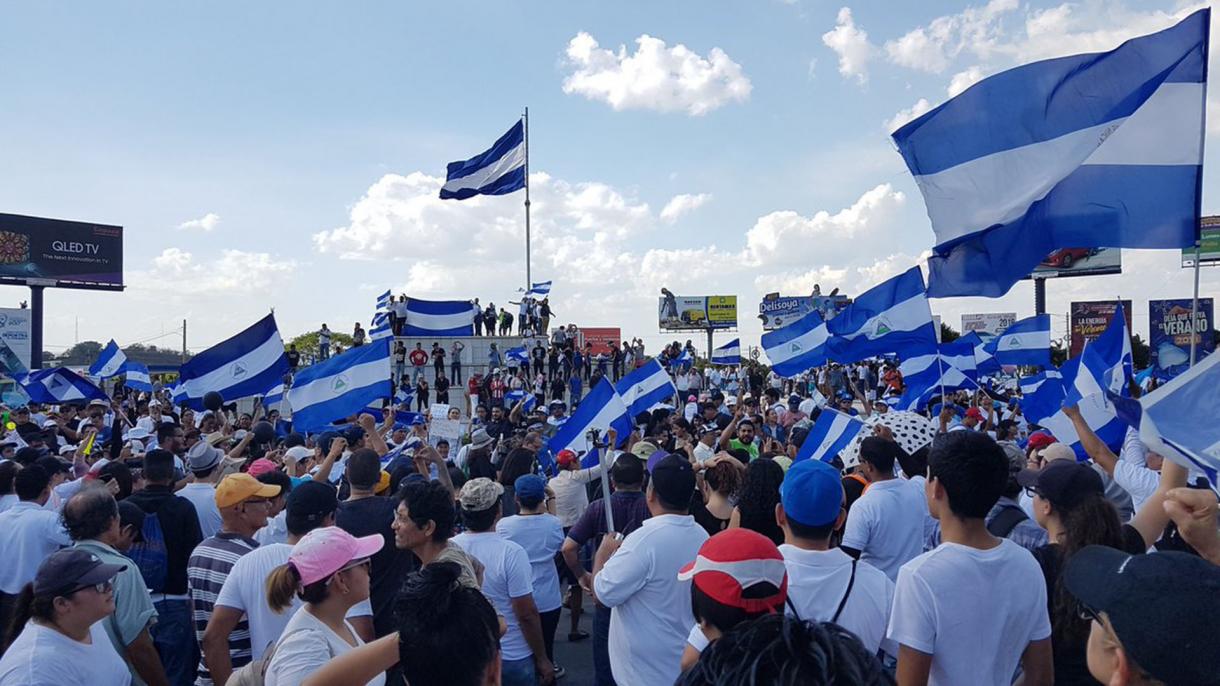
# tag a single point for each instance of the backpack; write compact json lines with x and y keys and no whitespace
{"x":255,"y":673}
{"x":150,"y":554}
{"x":1005,"y":521}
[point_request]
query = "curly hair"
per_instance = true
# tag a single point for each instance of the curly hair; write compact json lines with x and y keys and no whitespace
{"x":724,"y":478}
{"x":758,"y":496}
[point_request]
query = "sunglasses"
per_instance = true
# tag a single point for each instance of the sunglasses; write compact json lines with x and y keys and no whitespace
{"x":101,"y":587}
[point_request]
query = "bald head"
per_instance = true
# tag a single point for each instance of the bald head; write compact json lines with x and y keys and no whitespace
{"x":91,"y":514}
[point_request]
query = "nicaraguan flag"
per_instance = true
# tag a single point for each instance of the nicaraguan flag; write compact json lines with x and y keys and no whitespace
{"x":645,"y":388}
{"x":519,"y":355}
{"x":381,"y":327}
{"x":1104,"y":366}
{"x":439,"y":318}
{"x":241,"y":367}
{"x":514,"y":397}
{"x":137,"y":377}
{"x":1042,"y":394}
{"x":890,"y":317}
{"x":539,"y":289}
{"x":685,"y":360}
{"x":600,"y":409}
{"x":1093,"y":150}
{"x":497,"y":171}
{"x":830,"y":434}
{"x":59,"y":385}
{"x":340,"y":386}
{"x":960,"y":355}
{"x":1027,"y":341}
{"x":729,"y":353}
{"x":798,"y":346}
{"x":984,"y":358}
{"x":109,"y":362}
{"x":926,"y":375}
{"x":274,"y":398}
{"x":405,"y":395}
{"x":383,"y":301}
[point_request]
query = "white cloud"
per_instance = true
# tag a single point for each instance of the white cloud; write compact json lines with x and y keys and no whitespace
{"x":903,"y":116}
{"x":964,"y":79}
{"x":654,"y":77}
{"x":786,"y":238}
{"x":851,"y":44}
{"x":205,"y":223}
{"x":1073,"y":28}
{"x":234,"y":271}
{"x":680,"y":205}
{"x":933,"y":47}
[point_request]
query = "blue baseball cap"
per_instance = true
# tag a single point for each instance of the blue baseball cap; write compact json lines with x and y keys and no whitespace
{"x":812,"y":493}
{"x":530,"y":486}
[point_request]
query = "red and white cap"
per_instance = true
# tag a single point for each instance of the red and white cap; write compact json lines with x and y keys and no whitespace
{"x":734,"y":560}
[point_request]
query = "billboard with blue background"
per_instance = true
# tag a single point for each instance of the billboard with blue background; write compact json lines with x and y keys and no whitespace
{"x":1170,"y":332}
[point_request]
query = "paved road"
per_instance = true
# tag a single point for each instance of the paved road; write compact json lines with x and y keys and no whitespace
{"x":576,"y":658}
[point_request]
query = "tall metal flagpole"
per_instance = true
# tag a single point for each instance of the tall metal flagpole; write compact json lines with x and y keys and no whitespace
{"x":1194,"y":302}
{"x":529,"y":282}
{"x":1194,"y":308}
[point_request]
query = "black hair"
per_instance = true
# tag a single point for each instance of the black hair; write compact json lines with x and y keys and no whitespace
{"x":707,"y":609}
{"x":1005,"y":430}
{"x":159,"y":466}
{"x":276,"y":477}
{"x":448,"y":634}
{"x":480,"y":520}
{"x":29,"y":606}
{"x":1091,"y":521}
{"x":165,"y":432}
{"x":781,"y":650}
{"x":880,"y":453}
{"x":441,"y":442}
{"x":973,"y":470}
{"x":627,"y":470}
{"x":519,"y":462}
{"x":8,"y":471}
{"x":87,"y":514}
{"x":532,"y":501}
{"x":363,"y":468}
{"x":30,"y":482}
{"x":758,"y":497}
{"x":429,"y":501}
{"x":26,"y":456}
{"x":117,"y":471}
{"x":915,"y":464}
{"x":809,"y":532}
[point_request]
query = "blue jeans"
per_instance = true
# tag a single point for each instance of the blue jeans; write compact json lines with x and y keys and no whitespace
{"x":602,"y":676}
{"x":518,"y":672}
{"x":174,"y":637}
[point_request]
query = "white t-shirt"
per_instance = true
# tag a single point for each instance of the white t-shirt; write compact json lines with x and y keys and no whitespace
{"x":817,"y":582}
{"x":974,"y":611}
{"x":306,"y":645}
{"x":571,"y":496}
{"x":506,"y":575}
{"x":541,"y":536}
{"x":245,"y":589}
{"x":886,"y":524}
{"x":44,"y":657}
{"x":203,"y":497}
{"x":652,"y":617}
{"x":28,"y":533}
{"x":275,"y":531}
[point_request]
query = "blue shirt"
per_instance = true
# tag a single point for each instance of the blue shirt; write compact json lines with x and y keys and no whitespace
{"x":574,"y":385}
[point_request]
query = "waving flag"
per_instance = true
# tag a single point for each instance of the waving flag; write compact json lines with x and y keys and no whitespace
{"x":340,"y":386}
{"x":830,"y":434}
{"x":1027,"y":341}
{"x":542,"y":288}
{"x":984,"y":356}
{"x":645,"y":388}
{"x":601,"y":409}
{"x":405,"y":395}
{"x":1042,"y":394}
{"x":1102,"y":368}
{"x":381,"y":327}
{"x":890,"y":317}
{"x":274,"y":398}
{"x":959,"y":354}
{"x":519,"y":355}
{"x":1093,"y":150}
{"x":109,"y":362}
{"x":59,"y":385}
{"x":496,"y":171}
{"x":513,"y":397}
{"x":427,"y":318}
{"x":384,"y":300}
{"x":241,"y":367}
{"x":137,"y":377}
{"x":927,"y":375}
{"x":798,"y":346}
{"x":729,"y":353}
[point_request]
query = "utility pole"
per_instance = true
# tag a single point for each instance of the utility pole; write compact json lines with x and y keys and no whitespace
{"x":183,"y":341}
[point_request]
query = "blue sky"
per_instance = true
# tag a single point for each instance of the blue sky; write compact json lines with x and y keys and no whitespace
{"x":286,"y":155}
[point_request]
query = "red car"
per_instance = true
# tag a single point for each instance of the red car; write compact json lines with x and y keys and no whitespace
{"x":1064,"y":258}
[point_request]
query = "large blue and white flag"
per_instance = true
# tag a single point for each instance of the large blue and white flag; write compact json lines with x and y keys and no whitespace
{"x":380,"y":327}
{"x":601,"y":409}
{"x":274,"y":398}
{"x":137,"y":377}
{"x":645,"y":388}
{"x":542,"y":288}
{"x":513,"y":397}
{"x":496,"y":171}
{"x":729,"y":353}
{"x":932,"y":374}
{"x":59,"y":385}
{"x":959,"y":354}
{"x":892,"y":317}
{"x":684,"y":361}
{"x":798,"y":346}
{"x":519,"y":355}
{"x":243,"y":366}
{"x":1103,"y":368}
{"x":109,"y":362}
{"x":405,"y":395}
{"x":383,"y":301}
{"x":341,"y":386}
{"x":828,"y":436}
{"x":984,"y":353}
{"x":1027,"y":341}
{"x":1042,"y":394}
{"x":439,"y":318}
{"x":1093,"y":150}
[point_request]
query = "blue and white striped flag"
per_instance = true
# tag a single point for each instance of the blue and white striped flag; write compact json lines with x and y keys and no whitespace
{"x":274,"y":398}
{"x":405,"y":395}
{"x":439,"y":318}
{"x":514,"y":397}
{"x":109,"y":362}
{"x":241,"y":367}
{"x":798,"y":346}
{"x":137,"y":377}
{"x":1042,"y":394}
{"x":519,"y":355}
{"x":496,"y":171}
{"x":685,"y":360}
{"x":890,"y":317}
{"x":601,"y":409}
{"x":1093,"y":150}
{"x":340,"y":386}
{"x":729,"y":353}
{"x":984,"y":357}
{"x":645,"y":388}
{"x":1027,"y":341}
{"x":59,"y":385}
{"x":1102,"y":368}
{"x":926,"y":375}
{"x":541,"y":288}
{"x":381,"y":327}
{"x":383,"y":301}
{"x":829,"y":435}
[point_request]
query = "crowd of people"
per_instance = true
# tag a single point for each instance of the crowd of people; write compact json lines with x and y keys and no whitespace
{"x":154,"y":544}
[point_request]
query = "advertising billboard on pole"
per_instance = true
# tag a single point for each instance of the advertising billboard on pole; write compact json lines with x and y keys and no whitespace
{"x":601,"y":337}
{"x":777,"y":310}
{"x":1209,"y":246}
{"x":1079,"y":262}
{"x":696,"y":313}
{"x":1170,"y":332}
{"x":1090,"y":319}
{"x":53,"y":252}
{"x":987,"y":324}
{"x":15,"y":333}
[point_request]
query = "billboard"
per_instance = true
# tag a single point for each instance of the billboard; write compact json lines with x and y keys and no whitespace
{"x":1079,"y":262}
{"x":601,"y":337}
{"x":1209,"y":246}
{"x":696,"y":313}
{"x":68,"y":253}
{"x":15,"y":334}
{"x":1089,"y":319}
{"x":987,"y":324}
{"x":776,"y":310}
{"x":1170,"y":332}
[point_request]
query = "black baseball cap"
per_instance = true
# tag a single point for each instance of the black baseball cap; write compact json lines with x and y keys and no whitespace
{"x":72,"y":568}
{"x":1063,"y":482}
{"x":1164,"y":607}
{"x":308,"y":504}
{"x":673,"y":479}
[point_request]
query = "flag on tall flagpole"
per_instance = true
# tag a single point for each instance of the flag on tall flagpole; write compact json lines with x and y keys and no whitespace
{"x":243,"y":366}
{"x":109,"y":362}
{"x":1094,"y":150}
{"x":542,"y":288}
{"x":496,"y":171}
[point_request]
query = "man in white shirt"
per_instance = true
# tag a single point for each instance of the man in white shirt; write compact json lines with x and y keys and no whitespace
{"x":825,"y":584}
{"x":972,"y":609}
{"x":204,"y":462}
{"x":638,"y":578}
{"x":28,"y":533}
{"x":886,"y":525}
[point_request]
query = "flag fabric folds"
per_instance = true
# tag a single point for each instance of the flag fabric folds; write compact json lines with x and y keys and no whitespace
{"x":926,"y":375}
{"x":380,"y":327}
{"x":729,"y":353}
{"x":601,"y":409}
{"x":241,"y":367}
{"x":830,"y":434}
{"x":1027,"y":341}
{"x":137,"y":377}
{"x":496,"y":171}
{"x":984,"y":353}
{"x":274,"y":398}
{"x":1092,"y":150}
{"x":383,"y":301}
{"x":539,"y":289}
{"x":518,"y":354}
{"x":439,"y":318}
{"x":109,"y":362}
{"x":890,"y":317}
{"x":798,"y":346}
{"x":340,"y":386}
{"x":645,"y":388}
{"x":59,"y":385}
{"x":513,"y":397}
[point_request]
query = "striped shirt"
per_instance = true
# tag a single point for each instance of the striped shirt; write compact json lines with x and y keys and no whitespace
{"x":206,"y":572}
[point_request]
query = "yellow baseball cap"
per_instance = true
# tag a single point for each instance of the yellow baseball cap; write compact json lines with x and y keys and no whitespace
{"x":236,"y":488}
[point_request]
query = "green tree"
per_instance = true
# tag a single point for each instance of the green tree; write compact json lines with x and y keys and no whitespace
{"x":948,"y":334}
{"x":1059,"y":354}
{"x":307,"y":343}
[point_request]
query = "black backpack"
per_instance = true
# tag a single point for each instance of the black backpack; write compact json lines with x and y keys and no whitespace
{"x":1006,"y":520}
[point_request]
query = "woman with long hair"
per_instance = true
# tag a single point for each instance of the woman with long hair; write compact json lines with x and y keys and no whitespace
{"x":519,"y":462}
{"x":712,"y":504}
{"x":757,"y":499}
{"x":328,"y":569}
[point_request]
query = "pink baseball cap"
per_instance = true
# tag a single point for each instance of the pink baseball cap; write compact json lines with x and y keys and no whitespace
{"x":324,"y":551}
{"x":261,"y":466}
